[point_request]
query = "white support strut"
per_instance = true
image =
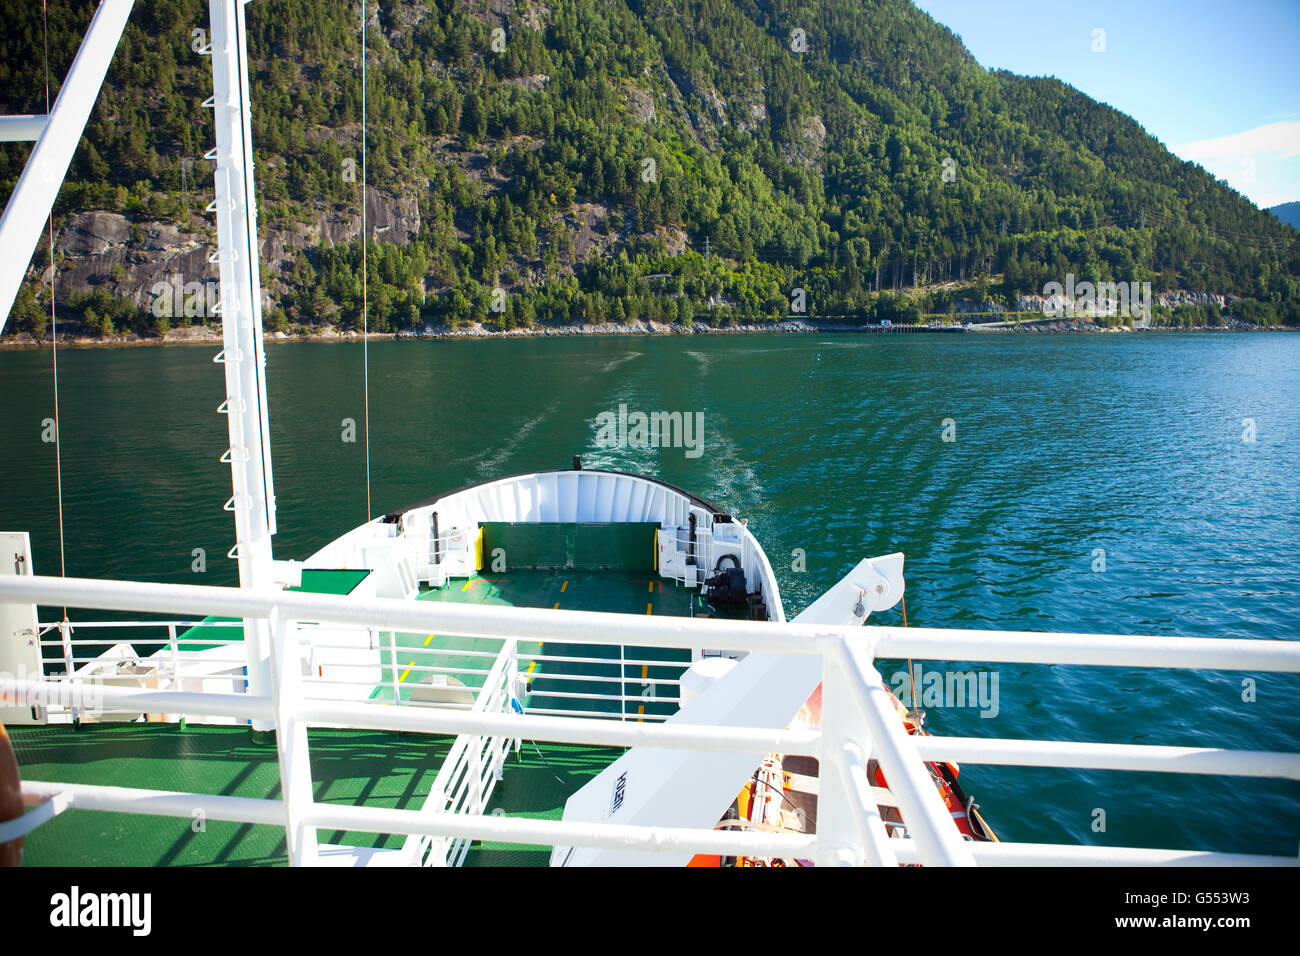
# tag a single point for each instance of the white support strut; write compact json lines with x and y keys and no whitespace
{"x":32,"y":199}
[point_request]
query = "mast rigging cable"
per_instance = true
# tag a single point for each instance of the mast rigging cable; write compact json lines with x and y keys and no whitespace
{"x":54,"y":324}
{"x":365,"y":240}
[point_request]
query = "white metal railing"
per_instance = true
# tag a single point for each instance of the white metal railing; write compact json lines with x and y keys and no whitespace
{"x":471,"y":770}
{"x":559,"y":684}
{"x":160,"y":653}
{"x":143,"y":653}
{"x":690,"y":575}
{"x":859,"y":722}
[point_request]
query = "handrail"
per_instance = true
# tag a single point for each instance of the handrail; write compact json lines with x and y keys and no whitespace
{"x":593,"y":627}
{"x":1101,"y":650}
{"x":52,"y":625}
{"x":432,"y":720}
{"x":414,"y":822}
{"x":176,"y":661}
{"x":393,"y":614}
{"x":859,"y":720}
{"x":1098,"y":756}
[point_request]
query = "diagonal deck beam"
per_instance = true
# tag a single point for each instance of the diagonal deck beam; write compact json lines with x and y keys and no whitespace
{"x":33,"y":198}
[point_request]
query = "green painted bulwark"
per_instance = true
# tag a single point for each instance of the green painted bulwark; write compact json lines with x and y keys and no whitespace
{"x":578,"y":546}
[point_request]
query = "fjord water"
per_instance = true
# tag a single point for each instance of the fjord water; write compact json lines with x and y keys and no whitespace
{"x":1067,"y":451}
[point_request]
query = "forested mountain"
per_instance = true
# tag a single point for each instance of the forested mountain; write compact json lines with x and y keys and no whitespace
{"x":1288,"y":212}
{"x":618,"y":160}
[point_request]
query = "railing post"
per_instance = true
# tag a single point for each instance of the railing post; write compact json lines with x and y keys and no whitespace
{"x":69,"y":665}
{"x":257,"y":661}
{"x":846,"y":804}
{"x":291,"y":740}
{"x":868,"y":825}
{"x":838,"y":840}
{"x":435,"y":848}
{"x":176,"y":656}
{"x":392,"y":663}
{"x":513,"y":685}
{"x":474,"y":767}
{"x":928,"y":822}
{"x":622,"y":681}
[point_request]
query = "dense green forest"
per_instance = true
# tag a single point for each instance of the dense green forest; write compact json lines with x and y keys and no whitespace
{"x":671,"y":160}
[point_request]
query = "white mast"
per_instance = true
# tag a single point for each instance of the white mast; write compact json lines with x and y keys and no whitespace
{"x":245,"y":407}
{"x":56,"y":137}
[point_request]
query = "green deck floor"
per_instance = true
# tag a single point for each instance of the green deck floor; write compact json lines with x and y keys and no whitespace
{"x":615,"y":591}
{"x":348,"y":767}
{"x":540,"y":778}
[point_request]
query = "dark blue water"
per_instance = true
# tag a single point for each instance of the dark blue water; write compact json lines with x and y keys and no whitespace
{"x":1064,"y":445}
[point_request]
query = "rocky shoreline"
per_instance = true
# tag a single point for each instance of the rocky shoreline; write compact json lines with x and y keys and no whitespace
{"x":211,"y":335}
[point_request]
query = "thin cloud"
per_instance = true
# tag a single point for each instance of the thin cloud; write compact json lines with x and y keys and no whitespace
{"x":1281,"y":138}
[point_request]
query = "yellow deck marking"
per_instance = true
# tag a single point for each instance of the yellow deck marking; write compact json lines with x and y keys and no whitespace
{"x":645,"y":670}
{"x":557,"y":606}
{"x":650,"y":587}
{"x":465,"y":588}
{"x":531,"y":665}
{"x":427,"y":640}
{"x":647,"y":608}
{"x":564,"y":587}
{"x":410,"y":664}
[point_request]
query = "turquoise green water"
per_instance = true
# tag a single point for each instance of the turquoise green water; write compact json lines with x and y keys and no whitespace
{"x":1064,"y":445}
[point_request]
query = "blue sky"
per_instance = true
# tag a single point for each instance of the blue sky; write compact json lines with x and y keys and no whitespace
{"x":1216,"y":82}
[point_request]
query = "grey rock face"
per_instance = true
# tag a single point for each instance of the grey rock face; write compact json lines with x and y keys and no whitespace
{"x":106,"y":250}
